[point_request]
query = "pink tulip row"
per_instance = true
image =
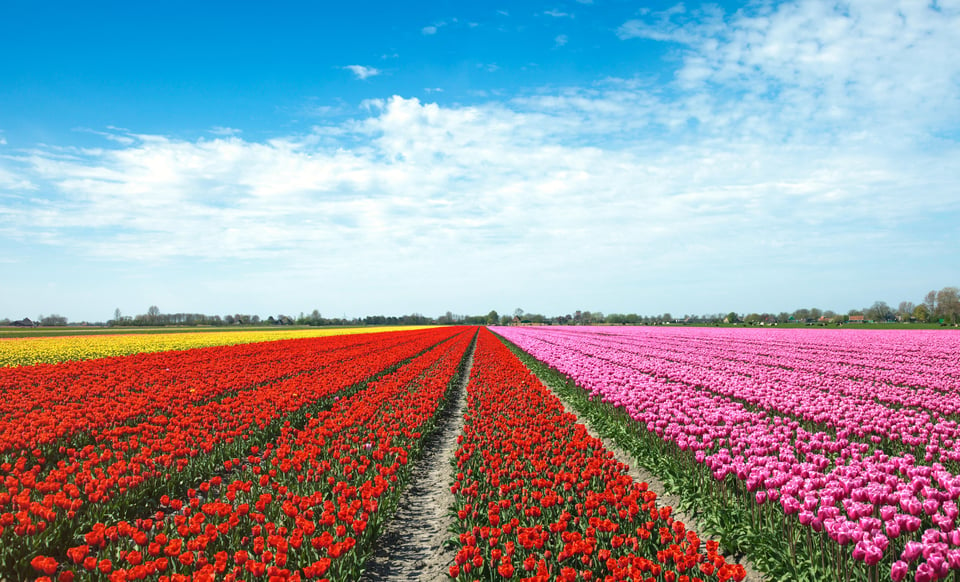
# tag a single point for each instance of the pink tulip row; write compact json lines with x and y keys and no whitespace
{"x":914,"y":419}
{"x":812,"y":443}
{"x":902,"y":419}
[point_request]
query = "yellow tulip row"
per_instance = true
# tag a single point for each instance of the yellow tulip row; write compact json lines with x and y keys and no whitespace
{"x":33,"y":350}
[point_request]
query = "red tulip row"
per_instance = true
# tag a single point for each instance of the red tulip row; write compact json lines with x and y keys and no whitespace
{"x":43,"y":501}
{"x":537,"y":498}
{"x":52,"y":403}
{"x":306,"y":506}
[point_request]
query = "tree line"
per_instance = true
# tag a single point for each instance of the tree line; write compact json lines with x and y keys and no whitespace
{"x":941,"y":307}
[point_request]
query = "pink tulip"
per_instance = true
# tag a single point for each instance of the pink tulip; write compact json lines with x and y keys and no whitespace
{"x":911,"y":550}
{"x":899,"y":570}
{"x":925,"y":573}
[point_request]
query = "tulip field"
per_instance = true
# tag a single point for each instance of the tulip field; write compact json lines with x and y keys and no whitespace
{"x":283,"y":460}
{"x":538,"y":498}
{"x":839,"y":448}
{"x":817,"y":454}
{"x":35,"y":350}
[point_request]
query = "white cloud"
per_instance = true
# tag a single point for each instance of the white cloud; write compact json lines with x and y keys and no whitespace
{"x":110,"y":135}
{"x":560,"y":40}
{"x":361,"y":72}
{"x":558,"y":14}
{"x":825,"y":62}
{"x":13,"y":182}
{"x":496,"y":179}
{"x":436,"y":26}
{"x":220,"y":130}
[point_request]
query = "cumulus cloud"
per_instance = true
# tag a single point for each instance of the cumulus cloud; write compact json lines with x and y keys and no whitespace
{"x":436,"y":26}
{"x":220,"y":130}
{"x":361,"y":72}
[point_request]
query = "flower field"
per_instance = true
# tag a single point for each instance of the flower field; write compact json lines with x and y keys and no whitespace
{"x":284,"y":460}
{"x":837,"y":450}
{"x":539,"y":498}
{"x":34,"y":350}
{"x":93,"y":448}
{"x":820,"y":454}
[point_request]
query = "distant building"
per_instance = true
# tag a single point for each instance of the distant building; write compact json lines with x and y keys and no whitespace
{"x":25,"y":322}
{"x":857,"y":319}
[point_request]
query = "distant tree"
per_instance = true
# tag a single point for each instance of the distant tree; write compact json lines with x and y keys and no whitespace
{"x":536,"y":318}
{"x":117,"y":316}
{"x":920,"y":313}
{"x":615,"y":318}
{"x":518,"y":312}
{"x":732,"y":317}
{"x":948,"y":304}
{"x":505,"y":319}
{"x":930,"y":302}
{"x":879,"y":311}
{"x":493,"y":318}
{"x":53,"y":320}
{"x":254,"y":319}
{"x":446,"y":319}
{"x":153,"y":314}
{"x":905,"y":309}
{"x":752,"y":319}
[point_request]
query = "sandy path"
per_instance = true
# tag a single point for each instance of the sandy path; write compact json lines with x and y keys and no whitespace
{"x":412,"y":545}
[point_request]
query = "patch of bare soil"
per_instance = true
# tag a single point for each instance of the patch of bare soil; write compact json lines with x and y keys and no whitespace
{"x":412,"y":545}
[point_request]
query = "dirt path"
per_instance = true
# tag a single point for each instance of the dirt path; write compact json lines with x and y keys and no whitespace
{"x":663,"y":498}
{"x":412,"y":546}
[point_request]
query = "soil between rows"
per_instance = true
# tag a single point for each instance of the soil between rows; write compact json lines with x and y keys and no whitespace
{"x":413,"y":544}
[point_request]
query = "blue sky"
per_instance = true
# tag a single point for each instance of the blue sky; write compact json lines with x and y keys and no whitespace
{"x":423,"y":157}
